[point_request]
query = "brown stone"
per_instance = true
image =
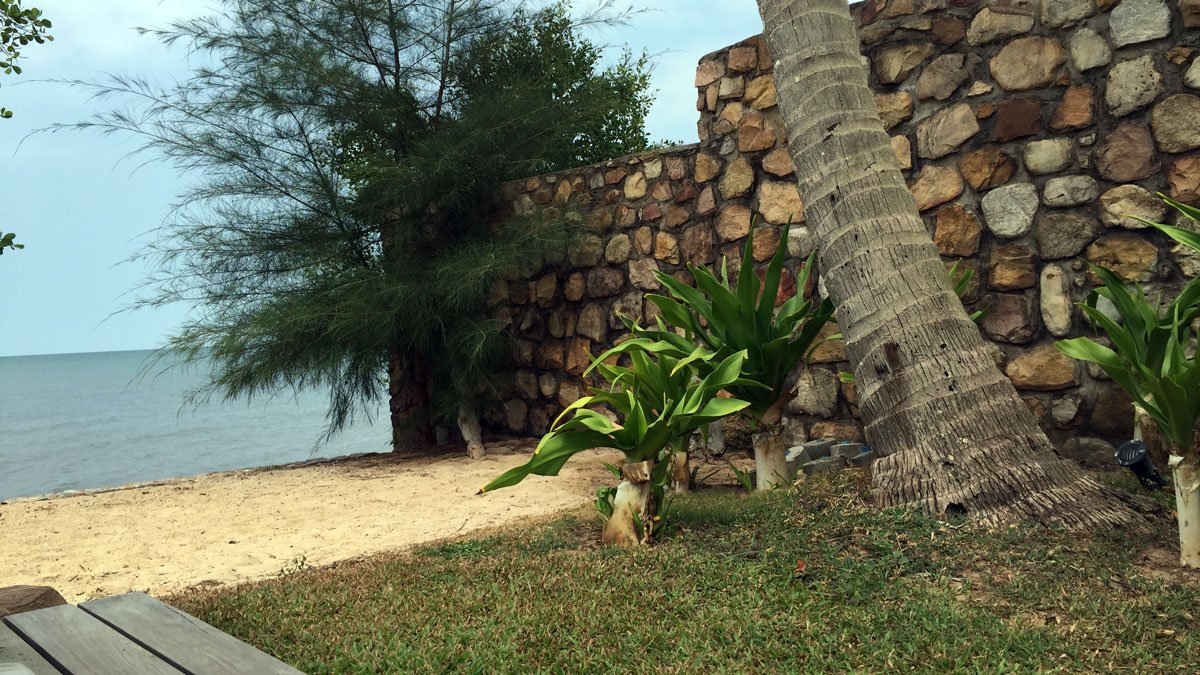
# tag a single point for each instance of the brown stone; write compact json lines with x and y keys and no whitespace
{"x":1016,"y":118}
{"x":709,"y":72}
{"x":1183,"y":179}
{"x":734,"y":222}
{"x":755,"y":133}
{"x":960,"y":267}
{"x":600,"y":220}
{"x":742,"y":59}
{"x":766,"y":241}
{"x":1075,"y":111}
{"x":729,"y":118}
{"x":1027,"y":63}
{"x":592,"y":322}
{"x":17,"y":599}
{"x":902,"y":148}
{"x":651,"y":213}
{"x":1010,"y":318}
{"x":731,"y":87}
{"x":676,"y":216}
{"x":957,"y":231}
{"x":894,"y":108}
{"x":1129,"y":256}
{"x":573,"y":289}
{"x":935,"y":185}
{"x":614,"y":176}
{"x":761,"y":93}
{"x":948,"y":30}
{"x":778,"y":163}
{"x":1011,"y":268}
{"x":545,"y":289}
{"x":1191,"y":13}
{"x":1127,"y":154}
{"x":987,"y":167}
{"x":706,"y":203}
{"x":842,"y":431}
{"x":643,"y":274}
{"x":603,"y":282}
{"x":779,"y":202}
{"x":893,"y":64}
{"x":995,"y":23}
{"x":550,"y":355}
{"x":666,"y":247}
{"x":542,"y":196}
{"x":635,"y":186}
{"x":1112,"y":413}
{"x":986,"y":110}
{"x":643,"y":240}
{"x":625,"y":216}
{"x":662,"y":191}
{"x":578,"y":356}
{"x":828,"y":351}
{"x":943,"y":76}
{"x":697,"y":244}
{"x":944,"y":131}
{"x":676,"y":168}
{"x":1043,"y":368}
{"x":738,"y":178}
{"x":684,"y":191}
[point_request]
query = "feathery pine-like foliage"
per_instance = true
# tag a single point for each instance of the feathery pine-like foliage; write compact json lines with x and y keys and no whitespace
{"x":345,"y":153}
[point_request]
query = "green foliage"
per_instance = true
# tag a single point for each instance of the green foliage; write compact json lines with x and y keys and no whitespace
{"x":659,"y":399}
{"x":936,"y":597}
{"x":7,"y":241}
{"x":343,"y":224}
{"x":1153,"y":357}
{"x":18,"y":28}
{"x":960,"y":282}
{"x":719,"y":318}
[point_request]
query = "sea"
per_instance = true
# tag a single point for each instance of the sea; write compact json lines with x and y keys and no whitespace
{"x":73,"y":422}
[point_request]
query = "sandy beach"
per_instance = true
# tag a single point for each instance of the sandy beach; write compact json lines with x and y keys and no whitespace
{"x":239,"y":526}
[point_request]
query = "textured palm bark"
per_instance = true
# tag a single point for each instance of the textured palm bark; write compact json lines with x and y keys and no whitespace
{"x":408,"y":403}
{"x":954,"y":436}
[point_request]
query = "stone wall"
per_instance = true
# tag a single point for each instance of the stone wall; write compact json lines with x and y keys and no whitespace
{"x":1028,"y":132}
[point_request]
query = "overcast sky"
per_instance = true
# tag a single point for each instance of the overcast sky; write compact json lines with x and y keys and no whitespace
{"x":81,"y":211}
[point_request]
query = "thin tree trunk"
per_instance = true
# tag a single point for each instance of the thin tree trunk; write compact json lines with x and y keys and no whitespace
{"x":770,"y":459}
{"x":633,"y":507}
{"x":955,"y":436}
{"x":408,"y":402}
{"x":468,"y":426}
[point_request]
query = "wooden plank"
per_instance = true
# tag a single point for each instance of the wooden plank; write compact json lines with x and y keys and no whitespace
{"x":181,"y":639}
{"x":15,"y":650}
{"x":80,"y":644}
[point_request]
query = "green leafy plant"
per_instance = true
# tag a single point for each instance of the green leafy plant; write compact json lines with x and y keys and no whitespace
{"x":660,"y":402}
{"x":1153,"y":360}
{"x":6,"y":241}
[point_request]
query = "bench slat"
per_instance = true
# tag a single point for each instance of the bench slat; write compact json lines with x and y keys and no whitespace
{"x":80,"y":644}
{"x":15,"y":650}
{"x":181,"y":639}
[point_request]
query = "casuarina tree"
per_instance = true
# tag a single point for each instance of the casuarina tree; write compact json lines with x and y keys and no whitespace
{"x":954,"y":435}
{"x":341,"y":229}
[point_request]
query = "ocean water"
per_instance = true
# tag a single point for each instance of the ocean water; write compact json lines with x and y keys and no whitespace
{"x":80,"y":421}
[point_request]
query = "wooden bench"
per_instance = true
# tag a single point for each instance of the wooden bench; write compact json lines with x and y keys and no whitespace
{"x":131,"y":634}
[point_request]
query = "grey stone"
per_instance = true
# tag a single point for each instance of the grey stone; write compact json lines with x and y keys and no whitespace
{"x":801,"y":242}
{"x":1057,"y":308}
{"x":1059,"y":13}
{"x":990,"y":24}
{"x":643,"y":274}
{"x":826,"y":465}
{"x":1063,"y":235}
{"x":1135,"y":21}
{"x":863,"y":459}
{"x":819,"y":447}
{"x":1089,"y":50}
{"x":1009,"y":209}
{"x":1064,"y":410}
{"x":1131,"y":200}
{"x":1093,"y":453}
{"x":619,"y":249}
{"x":592,"y":323}
{"x":586,"y":251}
{"x":816,"y":393}
{"x":1070,"y":191}
{"x":547,"y":384}
{"x":846,"y":450}
{"x":1132,"y":85}
{"x":944,"y":131}
{"x":1049,"y":156}
{"x":628,"y":305}
{"x":1176,"y":123}
{"x":1192,"y":77}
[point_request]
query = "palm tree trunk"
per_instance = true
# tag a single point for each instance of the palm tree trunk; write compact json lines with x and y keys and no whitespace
{"x":954,"y":435}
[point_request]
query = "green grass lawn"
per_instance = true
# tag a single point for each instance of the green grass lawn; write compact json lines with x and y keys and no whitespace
{"x":881,"y":591}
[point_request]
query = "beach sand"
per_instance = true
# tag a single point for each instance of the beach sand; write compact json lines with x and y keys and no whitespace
{"x":238,"y":526}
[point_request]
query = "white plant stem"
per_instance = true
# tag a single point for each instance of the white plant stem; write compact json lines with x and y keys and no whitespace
{"x":681,"y":472}
{"x":468,"y":426}
{"x":621,"y":529}
{"x":1186,"y":474}
{"x":770,"y":460}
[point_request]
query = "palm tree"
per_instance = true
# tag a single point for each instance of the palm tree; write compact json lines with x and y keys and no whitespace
{"x":953,"y":435}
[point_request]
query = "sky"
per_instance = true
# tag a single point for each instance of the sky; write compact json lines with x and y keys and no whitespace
{"x":84,"y":210}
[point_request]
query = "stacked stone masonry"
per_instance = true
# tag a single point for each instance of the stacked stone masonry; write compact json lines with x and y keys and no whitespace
{"x":1028,"y":132}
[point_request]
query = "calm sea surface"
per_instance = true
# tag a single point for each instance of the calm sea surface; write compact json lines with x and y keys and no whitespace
{"x":77,"y":421}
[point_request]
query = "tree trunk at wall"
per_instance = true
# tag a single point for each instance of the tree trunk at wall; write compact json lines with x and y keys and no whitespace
{"x":408,"y":402}
{"x":954,"y":436}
